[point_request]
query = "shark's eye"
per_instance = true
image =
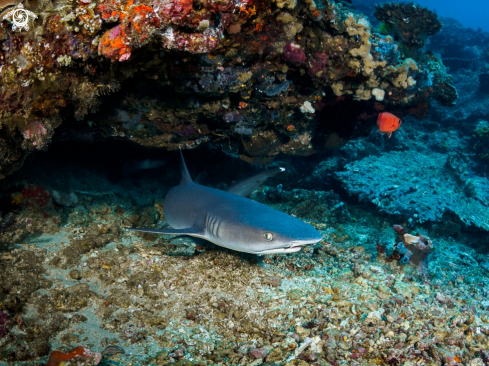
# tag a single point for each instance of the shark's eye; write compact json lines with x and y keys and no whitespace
{"x":268,"y":236}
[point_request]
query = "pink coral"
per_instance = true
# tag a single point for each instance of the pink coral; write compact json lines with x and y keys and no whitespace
{"x":294,"y":53}
{"x":125,"y":56}
{"x":33,"y":129}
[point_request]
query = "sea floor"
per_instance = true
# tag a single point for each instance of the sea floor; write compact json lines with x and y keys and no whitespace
{"x":80,"y":279}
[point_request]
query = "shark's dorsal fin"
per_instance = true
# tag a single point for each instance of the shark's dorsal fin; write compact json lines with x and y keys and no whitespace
{"x":186,"y":179}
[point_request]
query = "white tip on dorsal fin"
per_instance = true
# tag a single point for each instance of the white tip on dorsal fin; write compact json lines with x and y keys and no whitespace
{"x":186,"y":179}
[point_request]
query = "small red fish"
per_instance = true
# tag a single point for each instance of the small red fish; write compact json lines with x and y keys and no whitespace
{"x":388,"y":123}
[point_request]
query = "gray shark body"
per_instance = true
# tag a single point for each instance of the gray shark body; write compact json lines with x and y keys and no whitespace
{"x":232,"y":221}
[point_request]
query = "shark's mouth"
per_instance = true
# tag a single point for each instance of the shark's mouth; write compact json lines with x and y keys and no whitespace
{"x":296,"y":244}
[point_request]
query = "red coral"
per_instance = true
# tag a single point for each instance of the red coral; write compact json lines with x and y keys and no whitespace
{"x":35,"y":196}
{"x":398,"y":228}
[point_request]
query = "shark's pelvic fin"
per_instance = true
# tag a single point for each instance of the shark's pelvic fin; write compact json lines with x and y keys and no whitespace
{"x":186,"y":179}
{"x":195,"y":231}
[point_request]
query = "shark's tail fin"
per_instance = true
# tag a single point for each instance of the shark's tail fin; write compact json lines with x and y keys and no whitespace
{"x":186,"y":179}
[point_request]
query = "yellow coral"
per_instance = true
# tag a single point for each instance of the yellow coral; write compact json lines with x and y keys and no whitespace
{"x":284,"y":17}
{"x":362,"y":94}
{"x":289,"y":4}
{"x":337,"y":89}
{"x":17,"y":199}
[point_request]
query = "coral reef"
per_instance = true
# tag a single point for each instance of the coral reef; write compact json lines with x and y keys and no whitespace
{"x":472,"y":105}
{"x":409,"y":249}
{"x":480,"y":141}
{"x":424,"y":191}
{"x":179,"y":67}
{"x":459,"y":47}
{"x":409,"y":23}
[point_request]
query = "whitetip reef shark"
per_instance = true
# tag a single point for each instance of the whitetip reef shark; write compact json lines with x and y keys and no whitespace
{"x":231,"y":221}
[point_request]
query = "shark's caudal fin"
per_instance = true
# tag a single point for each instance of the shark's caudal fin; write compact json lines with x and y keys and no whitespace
{"x":186,"y":179}
{"x":245,"y":187}
{"x":188,"y":231}
{"x":201,"y":178}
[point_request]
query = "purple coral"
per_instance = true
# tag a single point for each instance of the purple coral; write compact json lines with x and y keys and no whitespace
{"x":232,"y":117}
{"x":5,"y":323}
{"x":294,"y":53}
{"x":186,"y":132}
{"x":317,"y":63}
{"x":258,"y":353}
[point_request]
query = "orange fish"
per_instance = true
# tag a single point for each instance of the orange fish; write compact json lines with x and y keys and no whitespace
{"x":388,"y":123}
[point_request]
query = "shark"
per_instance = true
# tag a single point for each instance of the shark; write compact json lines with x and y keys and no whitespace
{"x":231,"y":220}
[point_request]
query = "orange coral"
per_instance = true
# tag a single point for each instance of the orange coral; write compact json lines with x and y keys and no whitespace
{"x":251,"y":11}
{"x":78,"y":353}
{"x":112,"y":44}
{"x":139,"y":14}
{"x":187,"y":6}
{"x":56,"y":356}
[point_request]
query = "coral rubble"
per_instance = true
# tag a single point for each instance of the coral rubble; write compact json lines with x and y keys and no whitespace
{"x":325,"y":305}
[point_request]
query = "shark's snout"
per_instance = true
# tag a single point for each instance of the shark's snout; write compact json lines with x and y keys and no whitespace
{"x":312,"y":236}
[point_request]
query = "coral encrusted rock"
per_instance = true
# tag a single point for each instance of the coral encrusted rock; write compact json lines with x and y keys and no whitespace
{"x":179,"y":67}
{"x":410,"y":23}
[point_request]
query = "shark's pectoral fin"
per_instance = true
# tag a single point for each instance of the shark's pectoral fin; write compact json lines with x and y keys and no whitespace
{"x":194,"y":231}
